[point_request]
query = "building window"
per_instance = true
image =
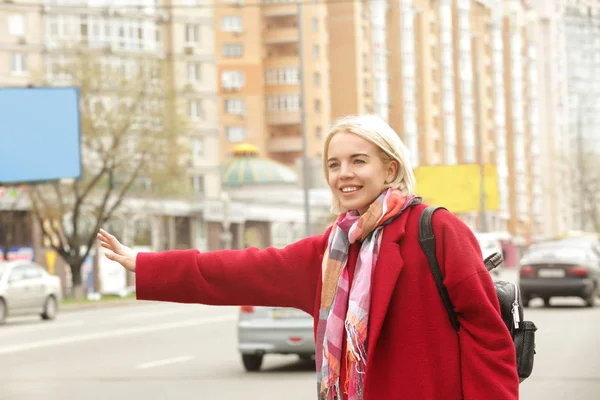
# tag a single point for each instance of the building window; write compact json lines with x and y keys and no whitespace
{"x":315,"y":51}
{"x":232,"y":79}
{"x":317,"y":79}
{"x":18,"y":64}
{"x":235,"y":133}
{"x":315,"y":25}
{"x":191,"y":34}
{"x":195,"y":109}
{"x":231,"y":23}
{"x":235,"y":106}
{"x":193,"y":72}
{"x":198,"y":184}
{"x":231,"y":50}
{"x":197,"y":149}
{"x":16,"y":25}
{"x":317,"y":105}
{"x":318,"y":132}
{"x":285,"y":103}
{"x":282,"y":76}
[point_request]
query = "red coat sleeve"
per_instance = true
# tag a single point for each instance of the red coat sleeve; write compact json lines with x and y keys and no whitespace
{"x":488,"y":359}
{"x":285,"y":277}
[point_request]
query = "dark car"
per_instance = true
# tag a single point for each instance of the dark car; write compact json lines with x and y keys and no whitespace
{"x":560,"y":269}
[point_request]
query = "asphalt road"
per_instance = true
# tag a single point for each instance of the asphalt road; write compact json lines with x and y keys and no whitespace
{"x":172,"y":351}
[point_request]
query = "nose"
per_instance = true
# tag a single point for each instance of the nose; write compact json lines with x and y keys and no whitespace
{"x":346,"y":171}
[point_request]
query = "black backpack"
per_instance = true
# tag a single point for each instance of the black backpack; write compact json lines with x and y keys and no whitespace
{"x":511,"y":307}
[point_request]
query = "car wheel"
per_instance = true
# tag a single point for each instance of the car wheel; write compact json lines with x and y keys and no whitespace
{"x":590,"y":300}
{"x":306,"y":357}
{"x":3,"y":311}
{"x":49,"y":308}
{"x":252,"y":362}
{"x":546,"y":301}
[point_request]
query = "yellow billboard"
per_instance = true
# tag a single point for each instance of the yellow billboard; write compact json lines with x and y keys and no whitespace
{"x":457,"y":187}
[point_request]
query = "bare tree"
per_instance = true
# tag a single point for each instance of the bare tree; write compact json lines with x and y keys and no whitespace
{"x":132,"y":145}
{"x":8,"y":218}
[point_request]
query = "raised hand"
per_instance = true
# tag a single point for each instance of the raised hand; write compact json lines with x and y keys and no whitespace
{"x":117,"y":251}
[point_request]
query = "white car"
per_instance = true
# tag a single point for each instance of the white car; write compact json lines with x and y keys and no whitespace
{"x":489,"y":244}
{"x":26,"y":288}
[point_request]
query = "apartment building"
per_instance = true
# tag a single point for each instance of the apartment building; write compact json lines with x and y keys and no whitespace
{"x":351,"y":58}
{"x":464,"y":89}
{"x":174,"y":39}
{"x":260,"y":66}
{"x":554,"y":116}
{"x":21,"y":44}
{"x":582,"y":31}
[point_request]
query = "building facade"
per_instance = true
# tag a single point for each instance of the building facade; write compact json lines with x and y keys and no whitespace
{"x":265,"y":53}
{"x":582,"y":31}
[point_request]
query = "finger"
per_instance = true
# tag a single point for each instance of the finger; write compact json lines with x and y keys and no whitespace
{"x":105,"y":245}
{"x":114,"y":257}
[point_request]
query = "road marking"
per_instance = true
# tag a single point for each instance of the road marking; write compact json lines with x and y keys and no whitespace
{"x":140,"y":315}
{"x":37,"y":327}
{"x":110,"y":334}
{"x":168,"y":361}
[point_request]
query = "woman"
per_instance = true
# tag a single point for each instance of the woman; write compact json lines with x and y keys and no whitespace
{"x":381,"y":329}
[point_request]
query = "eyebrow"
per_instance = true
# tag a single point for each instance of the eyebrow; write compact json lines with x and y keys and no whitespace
{"x":351,"y":156}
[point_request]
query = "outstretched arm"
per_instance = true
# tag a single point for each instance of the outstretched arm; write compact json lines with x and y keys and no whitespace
{"x":285,"y":277}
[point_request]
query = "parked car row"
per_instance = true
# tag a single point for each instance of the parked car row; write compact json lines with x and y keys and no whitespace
{"x":26,"y":288}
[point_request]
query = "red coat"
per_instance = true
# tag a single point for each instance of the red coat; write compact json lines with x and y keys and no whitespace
{"x":413,"y":351}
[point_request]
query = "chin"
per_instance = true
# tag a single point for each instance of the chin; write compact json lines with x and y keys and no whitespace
{"x":353,"y":206}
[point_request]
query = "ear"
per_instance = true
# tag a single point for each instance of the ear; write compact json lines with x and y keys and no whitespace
{"x":391,"y":171}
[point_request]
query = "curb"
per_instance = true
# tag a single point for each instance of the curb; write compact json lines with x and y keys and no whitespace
{"x":100,"y":305}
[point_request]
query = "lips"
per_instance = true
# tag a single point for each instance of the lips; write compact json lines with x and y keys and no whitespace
{"x":350,"y":189}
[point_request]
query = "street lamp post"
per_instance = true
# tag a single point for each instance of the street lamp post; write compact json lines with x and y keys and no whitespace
{"x":305,"y":161}
{"x":226,"y":236}
{"x":482,"y":197}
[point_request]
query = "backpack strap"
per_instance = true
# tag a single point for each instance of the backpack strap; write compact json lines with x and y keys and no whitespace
{"x":427,"y":241}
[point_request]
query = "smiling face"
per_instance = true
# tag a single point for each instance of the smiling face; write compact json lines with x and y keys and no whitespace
{"x":356,"y":172}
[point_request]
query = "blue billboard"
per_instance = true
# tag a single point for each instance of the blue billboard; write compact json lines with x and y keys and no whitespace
{"x":40,"y":134}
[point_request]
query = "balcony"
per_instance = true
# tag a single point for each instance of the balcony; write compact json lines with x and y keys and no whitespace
{"x":280,"y":10}
{"x":284,"y":144}
{"x":283,"y":117}
{"x":280,"y":35}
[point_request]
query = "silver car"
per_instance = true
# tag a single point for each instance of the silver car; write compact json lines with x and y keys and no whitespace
{"x":26,"y":288}
{"x":270,"y":330}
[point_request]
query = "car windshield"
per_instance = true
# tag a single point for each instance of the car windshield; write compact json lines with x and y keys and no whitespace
{"x":551,"y":254}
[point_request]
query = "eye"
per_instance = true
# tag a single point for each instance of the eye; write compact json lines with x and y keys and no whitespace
{"x":359,"y":161}
{"x":332,"y":165}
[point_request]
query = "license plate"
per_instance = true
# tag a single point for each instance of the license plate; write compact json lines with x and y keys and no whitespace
{"x":288,"y":313}
{"x":551,"y":273}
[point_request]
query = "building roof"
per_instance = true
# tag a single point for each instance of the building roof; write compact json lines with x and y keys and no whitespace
{"x":247,"y":168}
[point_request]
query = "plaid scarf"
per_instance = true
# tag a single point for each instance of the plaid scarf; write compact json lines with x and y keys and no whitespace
{"x":350,"y":311}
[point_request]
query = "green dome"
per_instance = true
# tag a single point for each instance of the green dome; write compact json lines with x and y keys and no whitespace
{"x":246,"y":168}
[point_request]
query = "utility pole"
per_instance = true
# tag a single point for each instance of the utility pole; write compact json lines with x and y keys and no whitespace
{"x":581,"y":164}
{"x":482,"y":196}
{"x":305,"y":165}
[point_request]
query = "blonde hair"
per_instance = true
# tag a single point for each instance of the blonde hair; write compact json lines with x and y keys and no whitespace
{"x":375,"y":130}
